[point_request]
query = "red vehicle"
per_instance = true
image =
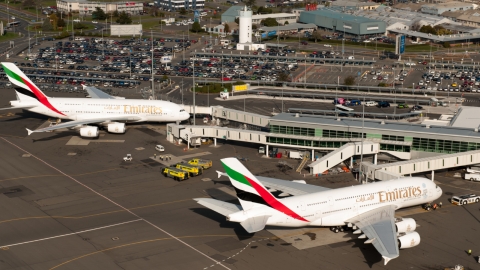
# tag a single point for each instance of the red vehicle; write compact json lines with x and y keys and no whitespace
{"x":304,"y":43}
{"x":226,"y":79}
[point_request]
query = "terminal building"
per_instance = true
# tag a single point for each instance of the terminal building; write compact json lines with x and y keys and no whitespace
{"x":342,"y":22}
{"x":328,"y":141}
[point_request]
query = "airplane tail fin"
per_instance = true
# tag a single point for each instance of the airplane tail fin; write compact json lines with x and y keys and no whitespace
{"x":250,"y":192}
{"x":24,"y":87}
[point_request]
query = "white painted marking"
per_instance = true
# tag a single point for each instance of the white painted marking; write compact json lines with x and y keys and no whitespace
{"x":119,"y":205}
{"x":68,"y":234}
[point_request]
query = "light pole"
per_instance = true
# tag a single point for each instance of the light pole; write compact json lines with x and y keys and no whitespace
{"x":153,"y":79}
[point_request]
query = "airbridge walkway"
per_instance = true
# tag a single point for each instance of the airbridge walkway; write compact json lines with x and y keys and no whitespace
{"x":258,"y":132}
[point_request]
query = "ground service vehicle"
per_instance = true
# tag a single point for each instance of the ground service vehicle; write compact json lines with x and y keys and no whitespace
{"x":472,"y":177}
{"x":464,"y":199}
{"x":191,"y":169}
{"x":204,"y":163}
{"x":295,"y":155}
{"x":175,"y":173}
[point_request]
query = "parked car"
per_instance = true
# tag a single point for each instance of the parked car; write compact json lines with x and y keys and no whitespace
{"x":402,"y":106}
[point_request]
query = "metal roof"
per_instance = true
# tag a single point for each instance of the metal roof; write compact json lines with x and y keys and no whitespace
{"x":273,"y":15}
{"x":467,"y":117}
{"x":292,"y":26}
{"x":331,"y":13}
{"x":232,"y":11}
{"x":370,"y":124}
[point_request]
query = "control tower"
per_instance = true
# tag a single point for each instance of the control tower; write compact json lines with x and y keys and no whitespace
{"x":246,"y":32}
{"x":245,"y":22}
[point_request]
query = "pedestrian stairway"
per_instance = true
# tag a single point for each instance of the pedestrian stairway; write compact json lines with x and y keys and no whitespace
{"x":302,"y":164}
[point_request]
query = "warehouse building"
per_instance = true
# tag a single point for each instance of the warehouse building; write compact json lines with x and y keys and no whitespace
{"x":438,"y":9}
{"x":231,"y":14}
{"x":343,"y":23}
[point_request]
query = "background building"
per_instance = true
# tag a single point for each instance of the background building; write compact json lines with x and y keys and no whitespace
{"x":177,"y":4}
{"x":86,"y":8}
{"x":230,"y":14}
{"x":343,"y":22}
{"x":280,"y":17}
{"x":437,"y":9}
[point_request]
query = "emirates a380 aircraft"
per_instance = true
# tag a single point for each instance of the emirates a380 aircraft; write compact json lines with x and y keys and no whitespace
{"x":369,"y":207}
{"x":104,"y":110}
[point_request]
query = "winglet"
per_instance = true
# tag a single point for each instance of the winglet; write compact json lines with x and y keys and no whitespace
{"x":29,"y":131}
{"x":387,"y":259}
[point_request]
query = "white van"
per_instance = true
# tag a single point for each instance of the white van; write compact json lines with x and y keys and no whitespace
{"x":351,"y":58}
{"x":472,"y":177}
{"x":370,"y":103}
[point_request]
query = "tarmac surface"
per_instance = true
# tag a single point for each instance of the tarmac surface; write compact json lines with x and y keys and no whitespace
{"x":78,"y":205}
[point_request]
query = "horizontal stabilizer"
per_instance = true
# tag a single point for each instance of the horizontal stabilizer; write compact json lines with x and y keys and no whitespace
{"x":29,"y":131}
{"x":255,"y":224}
{"x":220,"y":207}
{"x":18,"y":107}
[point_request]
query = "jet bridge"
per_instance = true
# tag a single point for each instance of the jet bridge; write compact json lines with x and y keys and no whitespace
{"x":345,"y":152}
{"x":430,"y":164}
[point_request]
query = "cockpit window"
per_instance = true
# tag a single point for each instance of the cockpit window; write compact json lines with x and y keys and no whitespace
{"x":182,"y":110}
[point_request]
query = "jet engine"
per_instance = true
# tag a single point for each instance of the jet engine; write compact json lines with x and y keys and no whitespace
{"x":408,"y":240}
{"x":405,"y":225}
{"x":90,"y":132}
{"x":116,"y":128}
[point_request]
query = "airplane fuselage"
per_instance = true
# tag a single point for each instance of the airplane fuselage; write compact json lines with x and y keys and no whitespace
{"x":88,"y":108}
{"x":334,"y":207}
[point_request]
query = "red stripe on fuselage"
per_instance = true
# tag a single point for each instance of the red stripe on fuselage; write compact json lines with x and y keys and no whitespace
{"x":273,"y":202}
{"x":41,"y":97}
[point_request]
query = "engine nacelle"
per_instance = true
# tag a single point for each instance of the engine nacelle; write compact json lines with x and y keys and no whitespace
{"x":90,"y":132}
{"x":116,"y":128}
{"x":405,"y":225}
{"x":408,"y":240}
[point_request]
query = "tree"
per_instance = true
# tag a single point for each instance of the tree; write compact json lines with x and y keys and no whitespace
{"x":316,"y":35}
{"x":250,"y":3}
{"x":416,"y":25}
{"x":446,"y":44}
{"x":124,"y":18}
{"x":226,"y":29}
{"x":263,"y":10}
{"x":350,"y":80}
{"x":269,"y":22}
{"x":99,"y":14}
{"x":182,"y":11}
{"x":116,"y":14}
{"x":61,"y":23}
{"x":29,"y":3}
{"x":53,"y":21}
{"x":283,"y":76}
{"x":47,"y":25}
{"x":237,"y":20}
{"x":286,"y":23}
{"x":196,"y":27}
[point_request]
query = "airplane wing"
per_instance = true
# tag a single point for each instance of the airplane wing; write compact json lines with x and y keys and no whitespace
{"x":85,"y":122}
{"x":293,"y":188}
{"x":379,"y":226}
{"x":97,"y":93}
{"x":18,"y":107}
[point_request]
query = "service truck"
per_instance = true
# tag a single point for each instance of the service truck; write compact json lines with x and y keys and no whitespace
{"x":464,"y":199}
{"x":204,"y":163}
{"x":191,"y":169}
{"x":295,"y":155}
{"x":175,"y":173}
{"x":472,"y":177}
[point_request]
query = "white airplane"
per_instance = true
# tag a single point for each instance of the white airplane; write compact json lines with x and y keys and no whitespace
{"x":369,"y":207}
{"x":103,"y":110}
